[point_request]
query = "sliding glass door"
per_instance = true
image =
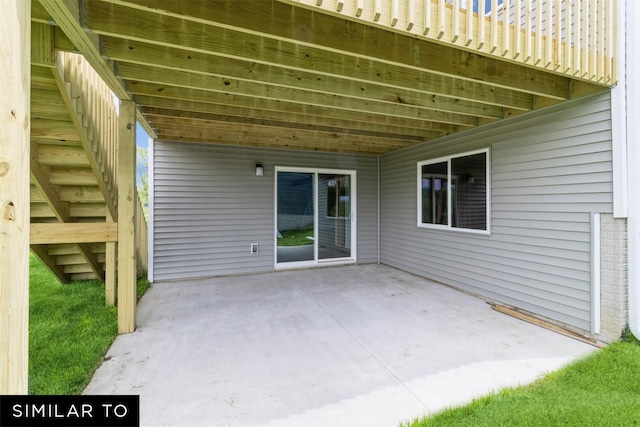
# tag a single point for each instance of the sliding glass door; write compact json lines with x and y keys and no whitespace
{"x":315,"y":216}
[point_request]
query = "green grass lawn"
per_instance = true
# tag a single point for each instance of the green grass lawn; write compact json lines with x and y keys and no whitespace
{"x":70,"y":331}
{"x":600,"y":390}
{"x":296,"y":237}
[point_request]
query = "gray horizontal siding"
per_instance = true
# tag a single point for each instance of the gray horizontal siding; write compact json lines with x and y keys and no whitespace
{"x":209,"y":206}
{"x":549,"y":170}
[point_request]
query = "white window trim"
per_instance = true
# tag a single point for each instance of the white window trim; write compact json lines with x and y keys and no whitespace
{"x":447,"y":159}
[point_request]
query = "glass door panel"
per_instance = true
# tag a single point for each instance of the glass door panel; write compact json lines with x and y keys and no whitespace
{"x":315,"y":217}
{"x":334,"y":216}
{"x":295,"y":217}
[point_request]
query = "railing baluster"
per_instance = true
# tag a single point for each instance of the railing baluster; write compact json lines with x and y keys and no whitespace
{"x":394,"y":12}
{"x":427,"y":17}
{"x":609,"y":70}
{"x":558,"y":35}
{"x":528,"y":36}
{"x":538,"y":54}
{"x":481,"y":23}
{"x":494,"y":25}
{"x":455,"y":17}
{"x":600,"y":51}
{"x":593,"y":41}
{"x":517,"y":33}
{"x":411,"y":14}
{"x":469,"y":23}
{"x":505,"y":27}
{"x":577,"y":36}
{"x":441,"y":18}
{"x":549,"y":34}
{"x":567,"y":35}
{"x":584,"y":44}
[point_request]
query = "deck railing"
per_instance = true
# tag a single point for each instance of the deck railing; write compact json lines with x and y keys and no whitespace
{"x":141,"y":236}
{"x":570,"y":37}
{"x":94,"y":103}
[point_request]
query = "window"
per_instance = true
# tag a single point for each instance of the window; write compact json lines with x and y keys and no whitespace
{"x":453,"y":192}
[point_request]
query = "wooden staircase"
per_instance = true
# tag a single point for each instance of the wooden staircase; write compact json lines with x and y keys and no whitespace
{"x":74,"y":132}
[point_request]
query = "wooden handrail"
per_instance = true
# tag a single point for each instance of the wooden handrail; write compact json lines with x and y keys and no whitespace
{"x":97,"y":113}
{"x":96,"y":107}
{"x":571,"y":37}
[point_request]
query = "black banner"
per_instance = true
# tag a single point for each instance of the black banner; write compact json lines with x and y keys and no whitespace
{"x":70,"y":411}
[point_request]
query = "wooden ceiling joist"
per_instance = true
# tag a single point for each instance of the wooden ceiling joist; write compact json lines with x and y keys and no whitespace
{"x":168,"y":123}
{"x":276,"y":68}
{"x":344,"y":93}
{"x":272,"y":20}
{"x":281,"y":71}
{"x":311,"y":116}
{"x":356,"y":83}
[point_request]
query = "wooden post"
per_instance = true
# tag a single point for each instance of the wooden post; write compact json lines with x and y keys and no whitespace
{"x":110,"y":273}
{"x":126,"y":217}
{"x":15,"y":74}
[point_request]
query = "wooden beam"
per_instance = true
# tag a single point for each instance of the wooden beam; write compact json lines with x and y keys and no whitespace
{"x":327,"y":104}
{"x":15,"y":35}
{"x":160,"y":116}
{"x":309,"y":116}
{"x":42,"y":45}
{"x":89,"y":232}
{"x":49,"y":262}
{"x":111,"y":271}
{"x":310,"y":139}
{"x":259,"y":141}
{"x":67,"y":14}
{"x":193,"y":125}
{"x":331,"y":92}
{"x":396,"y":80}
{"x":179,"y":122}
{"x":91,"y":260}
{"x":223,"y":27}
{"x":126,"y":217}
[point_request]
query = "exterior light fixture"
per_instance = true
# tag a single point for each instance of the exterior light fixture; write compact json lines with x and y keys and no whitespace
{"x":259,"y":169}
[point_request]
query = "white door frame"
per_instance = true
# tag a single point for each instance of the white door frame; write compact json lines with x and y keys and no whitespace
{"x":316,"y":262}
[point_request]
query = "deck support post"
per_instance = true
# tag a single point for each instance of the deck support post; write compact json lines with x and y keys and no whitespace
{"x":126,"y":217}
{"x":15,"y":74}
{"x":110,"y":273}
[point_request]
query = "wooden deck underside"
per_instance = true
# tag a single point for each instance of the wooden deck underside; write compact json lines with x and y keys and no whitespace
{"x":278,"y":74}
{"x":283,"y":74}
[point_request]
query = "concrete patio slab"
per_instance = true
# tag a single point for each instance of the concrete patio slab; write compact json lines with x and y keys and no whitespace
{"x":344,"y":346}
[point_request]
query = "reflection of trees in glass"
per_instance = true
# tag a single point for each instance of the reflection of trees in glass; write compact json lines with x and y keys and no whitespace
{"x":455,"y":187}
{"x":338,"y":200}
{"x":434,"y":193}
